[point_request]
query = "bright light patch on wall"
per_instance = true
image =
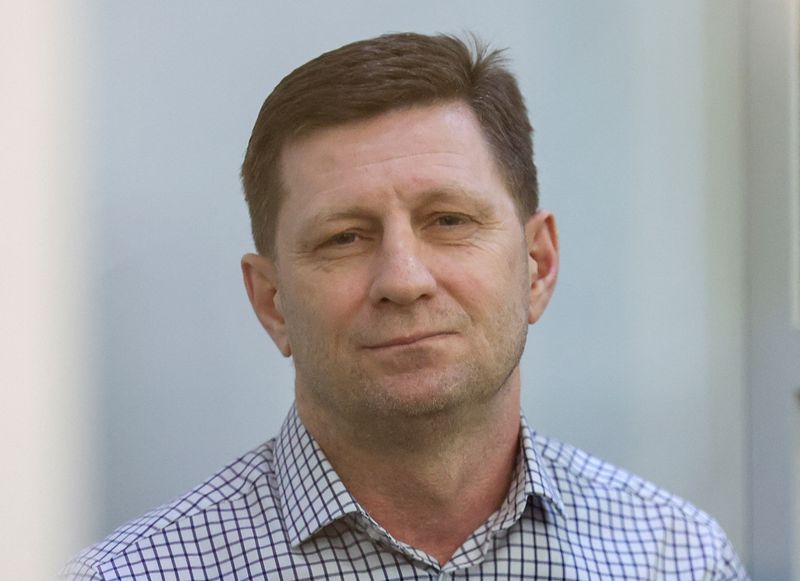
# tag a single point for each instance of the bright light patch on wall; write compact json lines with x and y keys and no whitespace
{"x":794,"y":207}
{"x":45,"y":505}
{"x":794,"y":153}
{"x":795,"y":255}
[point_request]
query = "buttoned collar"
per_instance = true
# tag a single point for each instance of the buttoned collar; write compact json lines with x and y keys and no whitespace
{"x":313,"y":496}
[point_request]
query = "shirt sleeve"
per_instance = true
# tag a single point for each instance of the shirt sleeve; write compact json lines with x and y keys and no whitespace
{"x":77,"y":570}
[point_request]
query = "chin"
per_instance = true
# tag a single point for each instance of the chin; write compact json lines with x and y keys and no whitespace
{"x":425,"y":396}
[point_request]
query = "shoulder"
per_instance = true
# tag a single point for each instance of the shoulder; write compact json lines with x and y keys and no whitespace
{"x":198,"y":514}
{"x":600,"y":499}
{"x":578,"y":473}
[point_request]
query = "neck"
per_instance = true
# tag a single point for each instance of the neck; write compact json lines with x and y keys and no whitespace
{"x":414,"y":475}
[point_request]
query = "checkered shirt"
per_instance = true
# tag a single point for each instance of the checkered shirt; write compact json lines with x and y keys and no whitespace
{"x":281,"y":512}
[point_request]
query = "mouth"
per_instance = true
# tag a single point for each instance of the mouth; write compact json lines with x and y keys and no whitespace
{"x":409,"y":340}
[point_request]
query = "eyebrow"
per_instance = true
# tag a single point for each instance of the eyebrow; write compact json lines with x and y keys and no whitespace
{"x":327,"y":216}
{"x":430,"y":197}
{"x":450,"y":193}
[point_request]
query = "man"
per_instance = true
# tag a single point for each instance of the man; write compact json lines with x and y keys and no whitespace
{"x":401,"y":257}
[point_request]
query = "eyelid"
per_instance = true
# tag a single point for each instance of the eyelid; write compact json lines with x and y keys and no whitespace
{"x":464,"y":218}
{"x":330,"y":240}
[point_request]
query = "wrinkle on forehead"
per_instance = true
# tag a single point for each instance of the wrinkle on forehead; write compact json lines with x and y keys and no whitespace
{"x":454,"y":118}
{"x":329,"y":163}
{"x":393,"y":158}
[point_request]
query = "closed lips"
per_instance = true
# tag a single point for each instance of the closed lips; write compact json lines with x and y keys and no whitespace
{"x":407,"y":340}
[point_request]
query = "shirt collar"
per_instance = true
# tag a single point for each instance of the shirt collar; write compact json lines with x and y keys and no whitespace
{"x":537,"y":480}
{"x":311,"y":493}
{"x":313,"y":496}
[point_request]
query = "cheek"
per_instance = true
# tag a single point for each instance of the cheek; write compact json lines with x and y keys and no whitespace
{"x":494,"y":277}
{"x":323,"y":305}
{"x":478,"y":294}
{"x":495,"y":299}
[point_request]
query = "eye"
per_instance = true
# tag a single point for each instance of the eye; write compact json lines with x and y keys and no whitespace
{"x":450,"y":220}
{"x":342,"y":239}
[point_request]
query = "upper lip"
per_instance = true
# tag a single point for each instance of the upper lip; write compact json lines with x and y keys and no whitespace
{"x":406,"y":339}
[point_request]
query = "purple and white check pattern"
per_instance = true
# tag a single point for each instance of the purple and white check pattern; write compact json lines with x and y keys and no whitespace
{"x":281,"y":512}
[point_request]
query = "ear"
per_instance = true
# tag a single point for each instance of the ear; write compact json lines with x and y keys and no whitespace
{"x":261,"y":282}
{"x":542,"y":239}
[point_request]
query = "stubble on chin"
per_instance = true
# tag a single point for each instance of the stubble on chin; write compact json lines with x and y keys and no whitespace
{"x":416,"y":388}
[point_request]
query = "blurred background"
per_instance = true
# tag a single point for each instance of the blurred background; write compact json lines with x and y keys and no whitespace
{"x":131,"y":367}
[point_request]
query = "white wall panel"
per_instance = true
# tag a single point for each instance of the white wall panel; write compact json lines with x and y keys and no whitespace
{"x":46,"y":407}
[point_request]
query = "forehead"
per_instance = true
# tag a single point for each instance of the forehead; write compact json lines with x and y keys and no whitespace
{"x":389,"y":157}
{"x":446,"y":127}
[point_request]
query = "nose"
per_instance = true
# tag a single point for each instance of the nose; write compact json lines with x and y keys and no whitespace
{"x":401,"y":275}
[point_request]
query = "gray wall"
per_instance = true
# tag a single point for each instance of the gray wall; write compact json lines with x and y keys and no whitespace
{"x":637,"y":110}
{"x":773,"y":261}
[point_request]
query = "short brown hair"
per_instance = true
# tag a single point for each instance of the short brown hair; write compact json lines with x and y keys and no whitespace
{"x":369,"y":77}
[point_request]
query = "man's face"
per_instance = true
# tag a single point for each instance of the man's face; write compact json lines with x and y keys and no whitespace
{"x":402,"y":280}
